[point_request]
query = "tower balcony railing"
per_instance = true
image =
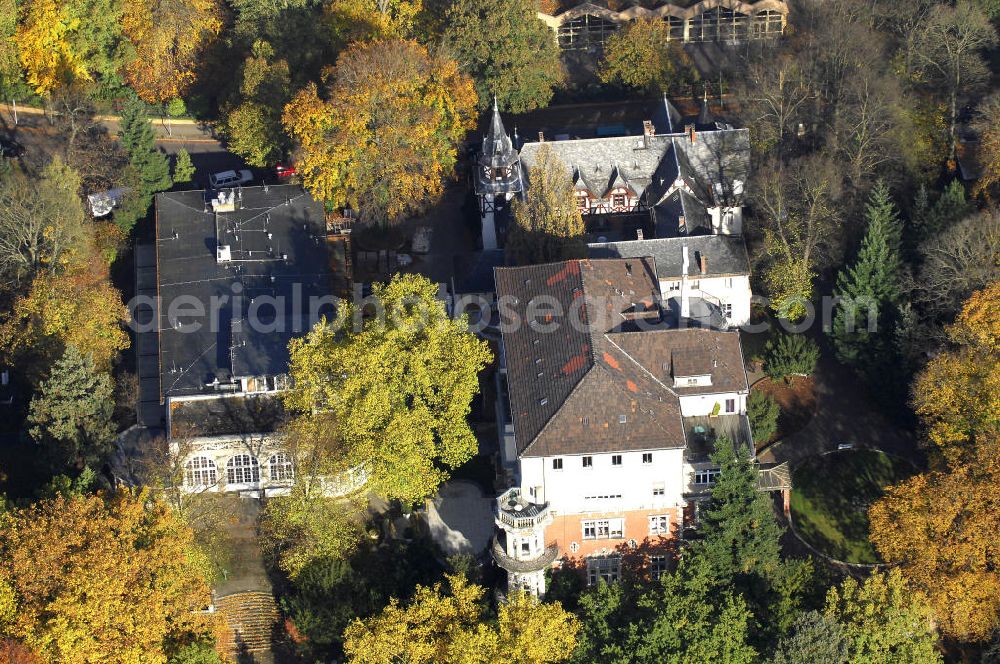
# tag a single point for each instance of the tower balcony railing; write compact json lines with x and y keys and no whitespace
{"x":514,"y":511}
{"x":510,"y":564}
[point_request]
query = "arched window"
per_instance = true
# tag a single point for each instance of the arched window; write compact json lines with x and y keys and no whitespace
{"x":200,"y":471}
{"x":279,"y":467}
{"x":242,"y":469}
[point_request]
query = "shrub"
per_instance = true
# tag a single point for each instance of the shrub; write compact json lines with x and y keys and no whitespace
{"x":790,"y":354}
{"x":763,"y":411}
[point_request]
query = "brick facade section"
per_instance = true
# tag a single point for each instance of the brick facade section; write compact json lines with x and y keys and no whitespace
{"x":568,"y":528}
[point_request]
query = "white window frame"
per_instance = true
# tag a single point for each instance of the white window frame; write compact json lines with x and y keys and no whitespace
{"x":647,"y":457}
{"x":594,"y":529}
{"x":243,"y":469}
{"x":659,"y":489}
{"x":657,"y":565}
{"x":557,"y":463}
{"x":201,"y":471}
{"x":730,"y":405}
{"x":659,"y":524}
{"x":588,"y":462}
{"x":707,"y":476}
{"x":616,"y":460}
{"x":606,"y":568}
{"x":280,"y":468}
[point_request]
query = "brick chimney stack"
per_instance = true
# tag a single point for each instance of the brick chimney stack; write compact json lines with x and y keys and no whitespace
{"x":691,"y":132}
{"x":704,"y":264}
{"x":647,"y":128}
{"x":541,"y":137}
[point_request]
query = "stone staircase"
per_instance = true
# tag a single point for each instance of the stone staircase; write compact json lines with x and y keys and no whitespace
{"x":252,"y":618}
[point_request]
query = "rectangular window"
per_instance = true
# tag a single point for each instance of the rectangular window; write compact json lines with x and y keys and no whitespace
{"x":588,"y":462}
{"x":659,"y":524}
{"x":647,"y":457}
{"x":696,"y":285}
{"x":618,"y":200}
{"x":659,"y":489}
{"x":730,"y":405}
{"x":728,"y":282}
{"x":706,"y":476}
{"x":557,"y":464}
{"x":727,"y":310}
{"x":607,"y":569}
{"x":525,"y":547}
{"x":657,"y":565}
{"x":603,"y":529}
{"x":616,"y":459}
{"x":673,"y":285}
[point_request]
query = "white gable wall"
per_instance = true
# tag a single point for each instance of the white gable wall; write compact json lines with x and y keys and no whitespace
{"x":604,"y":487}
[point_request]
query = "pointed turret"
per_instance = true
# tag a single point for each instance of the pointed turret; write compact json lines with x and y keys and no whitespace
{"x":498,"y":160}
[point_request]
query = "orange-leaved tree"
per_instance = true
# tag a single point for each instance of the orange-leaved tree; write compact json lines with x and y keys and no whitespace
{"x":384,"y":136}
{"x":943,"y":529}
{"x":958,"y":393}
{"x":102,"y":579}
{"x":168,"y":36}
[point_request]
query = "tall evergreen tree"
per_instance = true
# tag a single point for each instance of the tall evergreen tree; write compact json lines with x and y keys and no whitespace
{"x":71,"y":412}
{"x":148,"y":170}
{"x":739,"y":532}
{"x":183,"y":167}
{"x":870,"y":289}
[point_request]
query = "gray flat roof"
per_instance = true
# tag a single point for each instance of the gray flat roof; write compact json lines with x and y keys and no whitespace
{"x":279,"y":260}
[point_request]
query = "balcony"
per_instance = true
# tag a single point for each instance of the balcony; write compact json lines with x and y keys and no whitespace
{"x":523,"y":566}
{"x":514,"y":511}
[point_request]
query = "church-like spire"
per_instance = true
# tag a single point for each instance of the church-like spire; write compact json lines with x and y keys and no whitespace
{"x":496,"y":141}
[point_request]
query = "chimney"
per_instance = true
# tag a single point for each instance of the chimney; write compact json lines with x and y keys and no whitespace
{"x":647,"y":128}
{"x":704,"y":264}
{"x":638,"y":234}
{"x":541,"y":137}
{"x":681,"y":224}
{"x":691,"y":132}
{"x":685,"y":297}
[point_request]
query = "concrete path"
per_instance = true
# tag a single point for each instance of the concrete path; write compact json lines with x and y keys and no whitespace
{"x":460,"y":518}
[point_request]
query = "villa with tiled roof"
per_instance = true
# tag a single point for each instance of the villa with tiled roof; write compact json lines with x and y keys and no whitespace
{"x":612,"y":413}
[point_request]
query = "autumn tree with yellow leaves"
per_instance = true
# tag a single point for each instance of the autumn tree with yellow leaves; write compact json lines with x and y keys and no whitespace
{"x":384,"y":135}
{"x":44,"y":38}
{"x":168,"y":36}
{"x":958,"y":393}
{"x":942,"y":527}
{"x":394,"y":389}
{"x":101,"y":579}
{"x":443,"y":628}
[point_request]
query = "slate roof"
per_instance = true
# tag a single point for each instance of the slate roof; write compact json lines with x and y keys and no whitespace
{"x":278,"y":248}
{"x":726,"y":255}
{"x":712,"y":166}
{"x":569,"y":333}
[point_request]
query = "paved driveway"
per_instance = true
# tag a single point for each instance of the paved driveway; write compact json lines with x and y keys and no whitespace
{"x":460,"y":518}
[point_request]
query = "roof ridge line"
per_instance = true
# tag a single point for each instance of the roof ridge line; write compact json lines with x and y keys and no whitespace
{"x":641,"y":367}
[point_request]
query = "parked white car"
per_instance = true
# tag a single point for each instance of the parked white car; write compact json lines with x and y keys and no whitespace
{"x":230,"y":178}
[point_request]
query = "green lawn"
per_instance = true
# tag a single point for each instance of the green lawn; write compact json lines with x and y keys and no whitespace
{"x":831,"y":496}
